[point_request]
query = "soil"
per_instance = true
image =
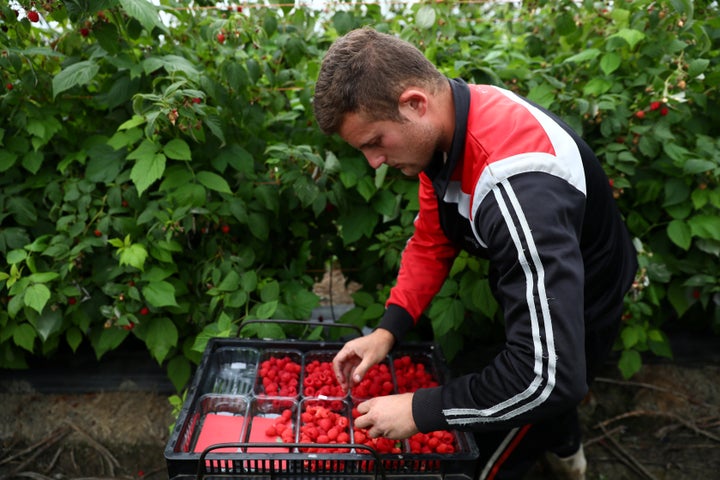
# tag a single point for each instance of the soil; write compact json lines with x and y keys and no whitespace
{"x":663,"y":424}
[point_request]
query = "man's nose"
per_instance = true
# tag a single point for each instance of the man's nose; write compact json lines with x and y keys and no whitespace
{"x":375,"y":160}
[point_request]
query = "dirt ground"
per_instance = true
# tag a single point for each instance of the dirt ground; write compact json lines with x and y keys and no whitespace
{"x":663,"y":424}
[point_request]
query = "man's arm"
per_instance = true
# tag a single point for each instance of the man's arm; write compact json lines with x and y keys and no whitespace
{"x":424,"y":266}
{"x":531,"y":225}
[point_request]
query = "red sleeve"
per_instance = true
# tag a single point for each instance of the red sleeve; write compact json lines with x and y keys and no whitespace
{"x":426,"y":260}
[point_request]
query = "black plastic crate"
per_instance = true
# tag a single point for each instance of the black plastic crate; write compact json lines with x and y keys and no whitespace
{"x":210,"y":397}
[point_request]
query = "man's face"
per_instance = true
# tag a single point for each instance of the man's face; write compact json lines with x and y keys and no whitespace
{"x":407,"y":146}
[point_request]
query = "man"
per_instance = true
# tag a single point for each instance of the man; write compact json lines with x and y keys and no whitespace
{"x":507,"y":181}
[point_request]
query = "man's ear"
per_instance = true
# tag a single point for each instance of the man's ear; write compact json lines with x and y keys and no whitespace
{"x":413,"y":101}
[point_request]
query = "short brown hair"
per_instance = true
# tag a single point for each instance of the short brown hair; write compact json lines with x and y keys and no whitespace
{"x":366,"y":71}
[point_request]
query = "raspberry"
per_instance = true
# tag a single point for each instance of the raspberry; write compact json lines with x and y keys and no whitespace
{"x":33,"y":16}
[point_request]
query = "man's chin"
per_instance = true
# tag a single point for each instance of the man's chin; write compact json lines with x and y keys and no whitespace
{"x":409,"y":172}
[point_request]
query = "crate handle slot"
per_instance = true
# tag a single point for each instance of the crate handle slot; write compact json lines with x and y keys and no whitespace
{"x":379,"y":467}
{"x":309,"y":323}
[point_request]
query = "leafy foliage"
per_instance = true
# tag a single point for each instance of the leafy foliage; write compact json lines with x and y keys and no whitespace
{"x":162,"y":175}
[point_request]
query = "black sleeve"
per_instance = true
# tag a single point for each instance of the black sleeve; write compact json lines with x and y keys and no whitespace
{"x":531,"y":224}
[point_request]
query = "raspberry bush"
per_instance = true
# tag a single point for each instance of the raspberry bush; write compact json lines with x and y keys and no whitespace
{"x":163,"y":178}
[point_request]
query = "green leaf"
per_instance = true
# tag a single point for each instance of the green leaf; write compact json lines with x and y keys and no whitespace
{"x":259,"y":226}
{"x":425,"y":17}
{"x":447,"y":314}
{"x":223,"y":328}
{"x":172,"y":64}
{"x":620,"y":16}
{"x":305,"y":190}
{"x":597,"y":86}
{"x":161,"y":337}
{"x":263,"y":330}
{"x":385,"y":203}
{"x":697,"y":66}
{"x":679,"y":232}
{"x":705,"y":226}
{"x":630,"y":336}
{"x":133,"y":255}
{"x":677,"y":295}
{"x":584,"y":56}
{"x":249,"y":282}
{"x":266,"y":310}
{"x":659,"y":343}
{"x":76,"y":74}
{"x":32,"y":161}
{"x":213,"y":181}
{"x":343,"y":22}
{"x":366,"y":188}
{"x":543,"y":94}
{"x":332,"y":164}
{"x":74,"y":338}
{"x":356,"y":224}
{"x":177,"y":149}
{"x":230,"y":283}
{"x":179,"y":371}
{"x":684,"y":7}
{"x":132,"y":123}
{"x":631,"y":36}
{"x":146,"y":171}
{"x":7,"y":160}
{"x":380,"y":174}
{"x":630,"y":363}
{"x":104,"y":340}
{"x":146,"y":149}
{"x":697,"y":165}
{"x":300,"y":301}
{"x":610,"y":62}
{"x":676,"y":192}
{"x":15,"y":305}
{"x":104,"y":164}
{"x":160,"y":294}
{"x":24,"y":336}
{"x":43,"y":277}
{"x":482,"y":297}
{"x":16,"y":256}
{"x":49,"y":322}
{"x":36,"y":296}
{"x":144,"y":12}
{"x":268,"y":292}
{"x":565,"y":24}
{"x":373,"y":312}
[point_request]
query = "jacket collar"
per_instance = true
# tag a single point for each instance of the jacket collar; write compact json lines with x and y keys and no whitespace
{"x":442,"y":166}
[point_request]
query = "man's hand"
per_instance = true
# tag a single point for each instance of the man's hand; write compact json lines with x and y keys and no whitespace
{"x":389,"y":416}
{"x":358,"y":355}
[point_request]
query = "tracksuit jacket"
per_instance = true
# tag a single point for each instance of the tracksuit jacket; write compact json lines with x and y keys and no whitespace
{"x":521,"y":189}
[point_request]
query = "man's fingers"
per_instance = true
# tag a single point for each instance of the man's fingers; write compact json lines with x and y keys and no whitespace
{"x":343,"y":365}
{"x":364,"y":407}
{"x":366,"y":422}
